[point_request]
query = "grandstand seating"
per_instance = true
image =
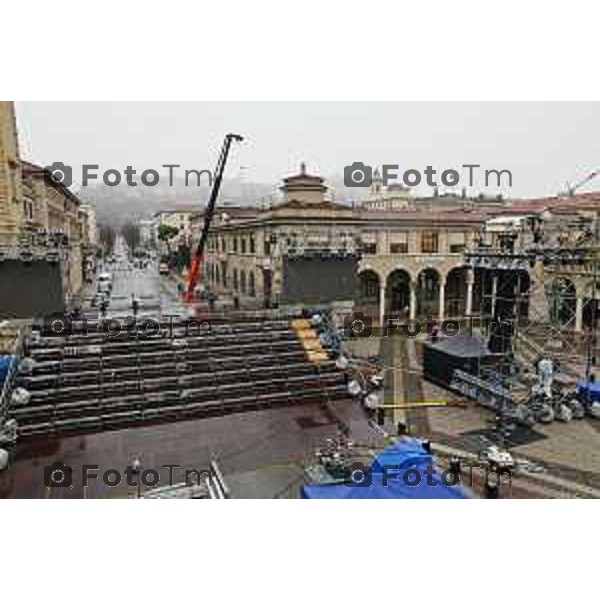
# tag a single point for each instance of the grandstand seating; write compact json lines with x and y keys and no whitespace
{"x":95,"y":381}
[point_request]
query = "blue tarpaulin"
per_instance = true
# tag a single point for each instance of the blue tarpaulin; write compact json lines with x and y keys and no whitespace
{"x":402,"y":455}
{"x":390,"y":489}
{"x":5,"y":362}
{"x":406,"y":478}
{"x":588,"y":389}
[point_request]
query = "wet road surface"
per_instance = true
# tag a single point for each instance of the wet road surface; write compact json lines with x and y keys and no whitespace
{"x":262,"y":454}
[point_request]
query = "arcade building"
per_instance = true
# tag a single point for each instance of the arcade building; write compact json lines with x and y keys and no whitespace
{"x":409,"y":260}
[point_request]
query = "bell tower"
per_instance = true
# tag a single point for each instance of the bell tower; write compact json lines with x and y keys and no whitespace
{"x":10,"y":176}
{"x":304,"y":189}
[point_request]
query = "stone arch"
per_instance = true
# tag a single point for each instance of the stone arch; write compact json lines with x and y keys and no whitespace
{"x":427,"y":290}
{"x":455,"y":302}
{"x":398,"y":292}
{"x":368,"y":285}
{"x":585,"y":303}
{"x":368,"y":293}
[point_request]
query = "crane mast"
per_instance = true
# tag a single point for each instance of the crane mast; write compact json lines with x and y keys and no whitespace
{"x":196,"y":265}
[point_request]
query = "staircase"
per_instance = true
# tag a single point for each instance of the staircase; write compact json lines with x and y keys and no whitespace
{"x":92,"y":382}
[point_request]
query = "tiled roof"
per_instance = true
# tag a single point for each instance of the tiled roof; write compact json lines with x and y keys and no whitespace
{"x":534,"y":205}
{"x":454,"y":216}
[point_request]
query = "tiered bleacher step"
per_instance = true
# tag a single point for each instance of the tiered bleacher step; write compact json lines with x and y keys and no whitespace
{"x":95,"y":382}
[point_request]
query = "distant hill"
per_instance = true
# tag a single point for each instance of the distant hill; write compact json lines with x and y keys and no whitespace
{"x":117,"y":205}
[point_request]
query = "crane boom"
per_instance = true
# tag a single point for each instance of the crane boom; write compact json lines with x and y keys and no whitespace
{"x":196,"y":265}
{"x":571,"y":189}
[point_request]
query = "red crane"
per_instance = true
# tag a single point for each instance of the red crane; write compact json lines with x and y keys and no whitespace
{"x":196,"y":266}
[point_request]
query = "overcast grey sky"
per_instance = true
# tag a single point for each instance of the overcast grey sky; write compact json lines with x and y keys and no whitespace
{"x":543,"y":144}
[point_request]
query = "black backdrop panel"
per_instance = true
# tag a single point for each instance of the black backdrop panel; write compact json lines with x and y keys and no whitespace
{"x":318,"y":280}
{"x":30,"y":289}
{"x":466,"y":353}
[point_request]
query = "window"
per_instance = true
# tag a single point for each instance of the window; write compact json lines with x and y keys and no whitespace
{"x":252,"y":245}
{"x":235,"y":245}
{"x":243,"y":245}
{"x":267,"y":248}
{"x":243,"y":282}
{"x":456,"y":241}
{"x":370,"y":248}
{"x":399,"y":248}
{"x":251,"y":284}
{"x":429,"y":242}
{"x":28,"y":210}
{"x":371,"y":288}
{"x":223,"y":245}
{"x":235,"y":280}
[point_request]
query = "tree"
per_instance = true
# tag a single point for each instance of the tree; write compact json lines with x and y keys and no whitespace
{"x":107,"y":235}
{"x":166,"y":233}
{"x":131,"y":232}
{"x":181,"y":258}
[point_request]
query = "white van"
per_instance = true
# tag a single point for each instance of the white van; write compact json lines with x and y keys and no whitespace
{"x":105,"y":282}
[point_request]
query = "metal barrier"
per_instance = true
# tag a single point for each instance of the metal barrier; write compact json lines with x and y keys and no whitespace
{"x":480,"y":390}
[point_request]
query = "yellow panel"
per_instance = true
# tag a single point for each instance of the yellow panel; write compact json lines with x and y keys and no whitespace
{"x":301,"y":324}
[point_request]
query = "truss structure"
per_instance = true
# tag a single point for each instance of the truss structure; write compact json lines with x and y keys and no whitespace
{"x":542,"y":298}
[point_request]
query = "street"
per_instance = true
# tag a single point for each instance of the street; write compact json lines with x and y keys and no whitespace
{"x":157,"y":294}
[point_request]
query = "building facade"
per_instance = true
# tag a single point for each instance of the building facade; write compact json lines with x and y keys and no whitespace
{"x":180,"y":221}
{"x":414,"y":252}
{"x":247,"y":246}
{"x":56,"y":226}
{"x":11,"y":204}
{"x":41,"y":220}
{"x":412,"y":261}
